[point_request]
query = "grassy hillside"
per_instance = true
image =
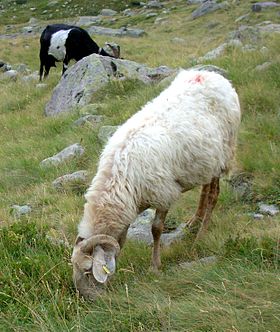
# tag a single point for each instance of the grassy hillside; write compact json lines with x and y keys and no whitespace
{"x":238,"y":293}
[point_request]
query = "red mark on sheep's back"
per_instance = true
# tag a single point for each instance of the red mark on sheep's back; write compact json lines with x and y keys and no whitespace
{"x":196,"y":79}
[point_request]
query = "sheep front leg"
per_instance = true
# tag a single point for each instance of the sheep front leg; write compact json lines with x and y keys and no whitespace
{"x":157,"y":228}
{"x":65,"y":64}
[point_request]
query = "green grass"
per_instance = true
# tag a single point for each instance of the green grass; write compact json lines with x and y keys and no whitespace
{"x":240,"y":292}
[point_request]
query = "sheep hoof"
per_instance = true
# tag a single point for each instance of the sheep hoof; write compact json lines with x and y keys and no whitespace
{"x":155,"y":270}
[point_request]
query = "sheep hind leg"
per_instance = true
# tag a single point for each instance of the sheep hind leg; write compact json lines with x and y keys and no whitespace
{"x":212,"y":201}
{"x":157,"y":228}
{"x":202,"y":206}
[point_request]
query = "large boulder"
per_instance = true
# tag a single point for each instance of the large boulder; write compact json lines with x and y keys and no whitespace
{"x":209,"y":7}
{"x":79,"y":84}
{"x":129,"y":32}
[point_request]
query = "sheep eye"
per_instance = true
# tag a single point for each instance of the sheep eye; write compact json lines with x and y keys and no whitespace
{"x":57,"y":47}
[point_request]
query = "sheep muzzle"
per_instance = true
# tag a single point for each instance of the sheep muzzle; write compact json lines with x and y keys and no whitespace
{"x":93,"y":262}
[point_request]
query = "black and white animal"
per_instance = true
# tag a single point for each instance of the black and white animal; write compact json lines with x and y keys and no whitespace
{"x":63,"y":42}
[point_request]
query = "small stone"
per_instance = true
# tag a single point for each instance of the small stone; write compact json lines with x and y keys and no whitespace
{"x":258,"y":216}
{"x":151,"y":15}
{"x":41,"y":85}
{"x":70,"y":180}
{"x":271,"y":210}
{"x":19,"y":210}
{"x":263,"y":66}
{"x":31,"y":77}
{"x":108,"y":12}
{"x":28,"y":29}
{"x":154,"y":4}
{"x":71,"y":152}
{"x":128,"y":12}
{"x":204,"y":260}
{"x":11,"y":74}
{"x":178,"y":40}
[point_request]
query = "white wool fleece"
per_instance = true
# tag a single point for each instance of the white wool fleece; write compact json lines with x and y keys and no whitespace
{"x":57,"y":44}
{"x":181,"y":139}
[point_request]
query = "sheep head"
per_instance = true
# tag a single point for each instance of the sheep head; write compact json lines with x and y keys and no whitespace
{"x":94,"y":261}
{"x":116,"y":51}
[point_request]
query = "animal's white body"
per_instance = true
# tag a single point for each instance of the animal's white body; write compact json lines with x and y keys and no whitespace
{"x":183,"y":138}
{"x":57,"y":44}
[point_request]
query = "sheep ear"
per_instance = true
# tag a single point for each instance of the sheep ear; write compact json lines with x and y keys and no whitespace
{"x":104,"y":263}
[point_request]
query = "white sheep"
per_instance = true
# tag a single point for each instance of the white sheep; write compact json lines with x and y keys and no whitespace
{"x":183,"y":138}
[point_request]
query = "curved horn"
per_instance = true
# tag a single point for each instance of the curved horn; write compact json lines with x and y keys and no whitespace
{"x":115,"y":50}
{"x":88,"y":245}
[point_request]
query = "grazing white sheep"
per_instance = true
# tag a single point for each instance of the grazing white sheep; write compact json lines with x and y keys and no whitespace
{"x":183,"y":138}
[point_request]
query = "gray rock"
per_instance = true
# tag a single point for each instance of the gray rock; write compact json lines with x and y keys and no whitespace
{"x":195,"y":2}
{"x":154,"y":4}
{"x":19,"y":210}
{"x":28,"y":29}
{"x":161,"y":20}
{"x":140,"y":230}
{"x":263,"y":66}
{"x":92,"y":119}
{"x":69,"y":153}
{"x":67,"y":180}
{"x":41,"y":85}
{"x":258,"y":216}
{"x":22,"y":68}
{"x":246,"y":33}
{"x":213,"y":68}
{"x":4,"y":66}
{"x":129,"y":12}
{"x":108,"y":12}
{"x":220,"y":50}
{"x":168,"y":238}
{"x":178,"y":40}
{"x":271,"y":210}
{"x":264,"y":50}
{"x":241,"y":184}
{"x":33,"y":21}
{"x":203,"y":261}
{"x":151,"y":15}
{"x":10,"y":74}
{"x":106,"y":132}
{"x":208,"y":7}
{"x":257,"y":7}
{"x":81,"y":81}
{"x":213,"y":54}
{"x":88,"y":20}
{"x":52,"y":3}
{"x":129,"y":32}
{"x":32,"y":77}
{"x":249,"y":48}
{"x":269,"y":28}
